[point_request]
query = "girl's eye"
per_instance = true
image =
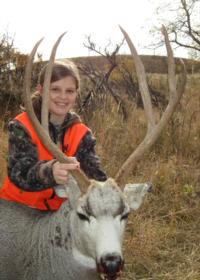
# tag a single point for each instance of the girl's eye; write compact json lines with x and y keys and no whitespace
{"x":70,"y":92}
{"x":54,"y":89}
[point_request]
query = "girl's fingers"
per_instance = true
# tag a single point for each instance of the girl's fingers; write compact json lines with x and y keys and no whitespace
{"x":63,"y":173}
{"x":60,"y":171}
{"x":72,"y":166}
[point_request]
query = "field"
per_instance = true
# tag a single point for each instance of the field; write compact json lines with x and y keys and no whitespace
{"x":162,"y":240}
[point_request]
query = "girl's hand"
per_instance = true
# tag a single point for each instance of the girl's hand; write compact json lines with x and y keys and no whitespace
{"x":60,"y":171}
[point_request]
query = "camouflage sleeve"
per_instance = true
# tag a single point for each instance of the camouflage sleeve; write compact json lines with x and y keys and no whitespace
{"x":89,"y":161}
{"x":24,"y":168}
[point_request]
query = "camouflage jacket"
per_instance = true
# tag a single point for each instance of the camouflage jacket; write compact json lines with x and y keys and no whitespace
{"x":23,"y":164}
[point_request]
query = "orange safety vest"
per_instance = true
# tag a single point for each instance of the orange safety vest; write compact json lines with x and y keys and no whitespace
{"x":45,"y":199}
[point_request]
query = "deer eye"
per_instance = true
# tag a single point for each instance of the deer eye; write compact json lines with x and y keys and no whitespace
{"x":124,"y":216}
{"x":83,"y":217}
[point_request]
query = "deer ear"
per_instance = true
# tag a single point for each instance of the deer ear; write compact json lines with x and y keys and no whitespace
{"x":135,"y":193}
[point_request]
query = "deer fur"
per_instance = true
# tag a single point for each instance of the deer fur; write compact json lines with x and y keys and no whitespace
{"x":40,"y":245}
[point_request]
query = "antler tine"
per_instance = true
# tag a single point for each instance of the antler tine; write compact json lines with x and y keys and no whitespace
{"x":27,"y":82}
{"x":153,"y":129}
{"x":80,"y":177}
{"x":146,"y":99}
{"x":47,"y":79}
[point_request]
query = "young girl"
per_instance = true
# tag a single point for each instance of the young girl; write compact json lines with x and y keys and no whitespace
{"x":33,"y":174}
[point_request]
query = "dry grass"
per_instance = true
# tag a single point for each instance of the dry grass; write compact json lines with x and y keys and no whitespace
{"x":162,"y":240}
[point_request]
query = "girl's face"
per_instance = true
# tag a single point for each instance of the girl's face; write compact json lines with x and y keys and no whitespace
{"x":62,"y":97}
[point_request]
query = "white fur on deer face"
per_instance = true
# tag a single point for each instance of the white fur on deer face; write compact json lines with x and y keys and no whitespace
{"x":99,"y":223}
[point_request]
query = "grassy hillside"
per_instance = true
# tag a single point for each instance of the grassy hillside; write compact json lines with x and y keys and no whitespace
{"x":123,"y":76}
{"x":152,"y":63}
{"x":162,"y":240}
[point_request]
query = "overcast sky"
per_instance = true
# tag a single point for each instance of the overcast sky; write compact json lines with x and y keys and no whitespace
{"x":29,"y":20}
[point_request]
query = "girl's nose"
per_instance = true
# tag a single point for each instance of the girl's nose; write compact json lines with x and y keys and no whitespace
{"x":63,"y":95}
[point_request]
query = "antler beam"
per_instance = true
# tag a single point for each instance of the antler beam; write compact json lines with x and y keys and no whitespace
{"x":153,"y":129}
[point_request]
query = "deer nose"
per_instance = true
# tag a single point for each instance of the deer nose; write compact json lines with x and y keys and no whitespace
{"x":111,"y":264}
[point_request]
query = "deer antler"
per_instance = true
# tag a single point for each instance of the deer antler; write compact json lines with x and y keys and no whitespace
{"x":153,"y":129}
{"x":47,"y":79}
{"x":42,"y":132}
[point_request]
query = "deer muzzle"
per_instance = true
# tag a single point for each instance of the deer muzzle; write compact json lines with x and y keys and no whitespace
{"x":110,"y":266}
